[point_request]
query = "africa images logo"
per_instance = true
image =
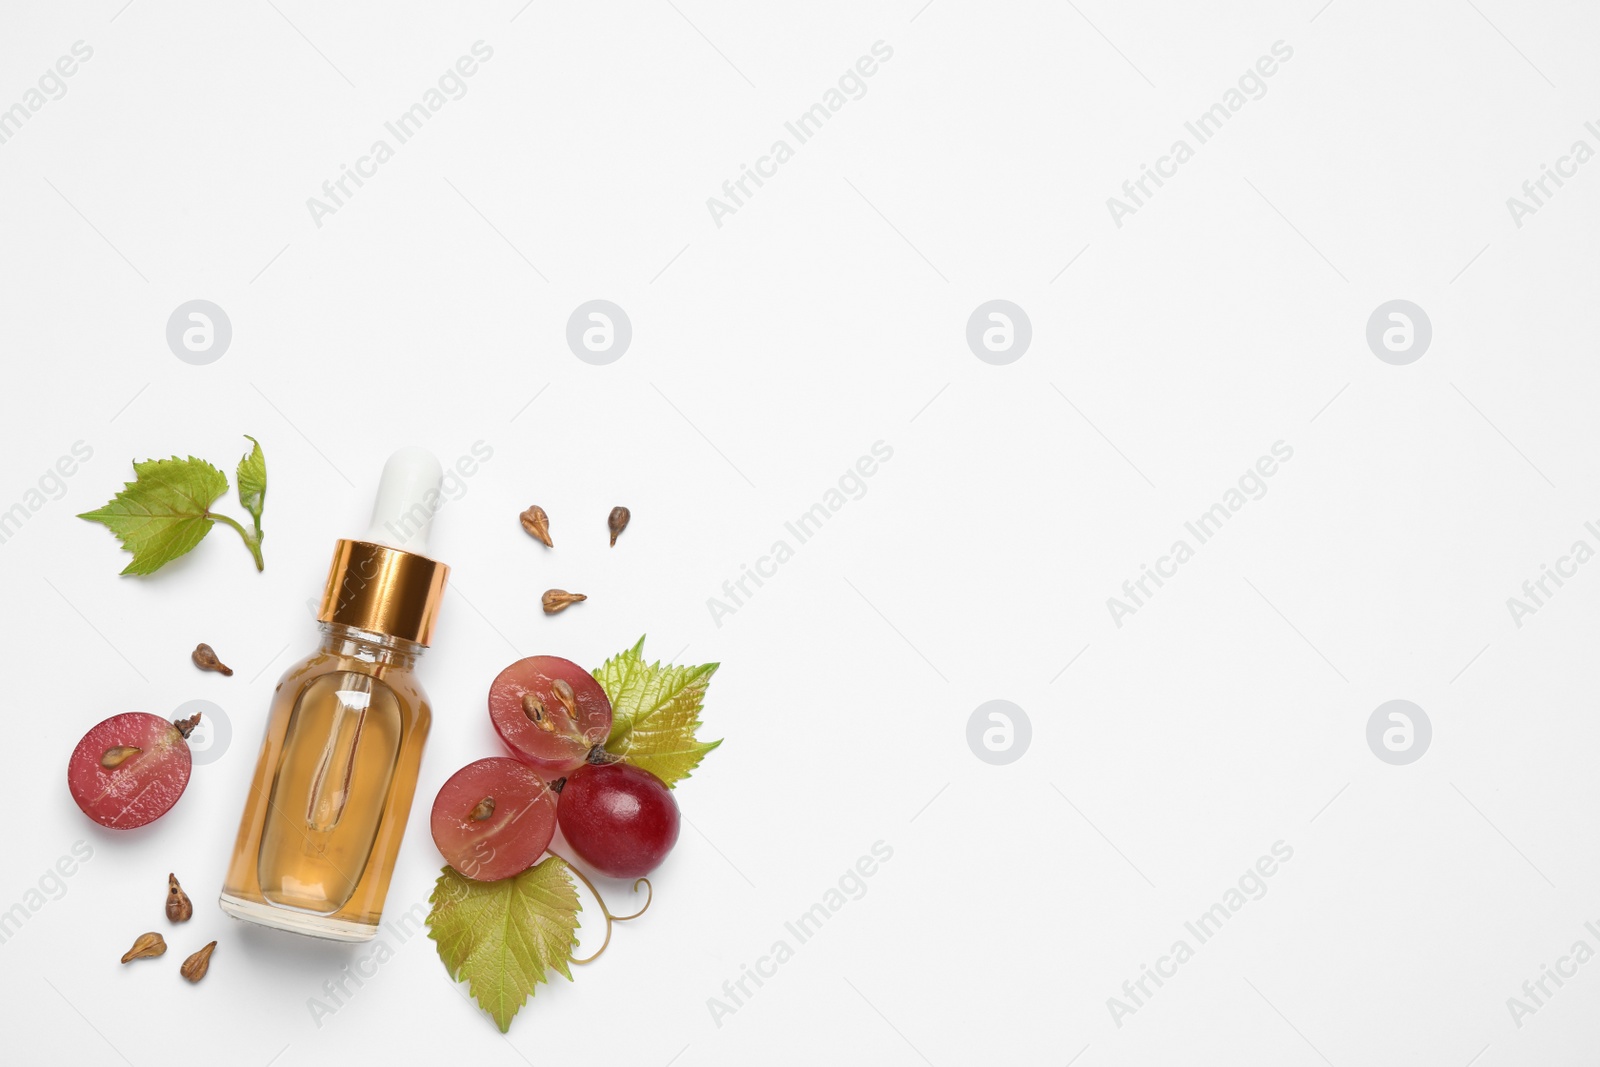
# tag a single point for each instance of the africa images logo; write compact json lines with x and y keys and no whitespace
{"x":1252,"y":85}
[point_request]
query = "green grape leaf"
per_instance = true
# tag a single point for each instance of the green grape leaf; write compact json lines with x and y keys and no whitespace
{"x":164,"y":512}
{"x":502,"y":938}
{"x":655,"y":712}
{"x":252,"y":479}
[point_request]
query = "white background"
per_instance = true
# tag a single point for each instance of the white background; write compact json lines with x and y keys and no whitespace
{"x":769,"y":353}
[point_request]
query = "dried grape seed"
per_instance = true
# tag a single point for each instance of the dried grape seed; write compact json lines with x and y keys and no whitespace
{"x":179,"y":907}
{"x":206,"y":659}
{"x":555,"y":600}
{"x":617,"y":521}
{"x":195,"y":967}
{"x":537,"y":523}
{"x":145,"y":946}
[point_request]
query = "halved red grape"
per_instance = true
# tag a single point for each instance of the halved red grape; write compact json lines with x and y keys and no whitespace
{"x":620,"y":818}
{"x":130,"y":769}
{"x":549,"y":712}
{"x":493,"y":818}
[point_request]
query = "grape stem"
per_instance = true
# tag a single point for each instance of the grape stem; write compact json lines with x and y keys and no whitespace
{"x":599,"y":756}
{"x":610,"y":918}
{"x":252,"y":543}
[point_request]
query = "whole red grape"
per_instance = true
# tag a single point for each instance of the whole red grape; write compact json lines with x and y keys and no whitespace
{"x":620,"y":818}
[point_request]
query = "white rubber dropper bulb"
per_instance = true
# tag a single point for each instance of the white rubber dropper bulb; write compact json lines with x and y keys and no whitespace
{"x":408,"y":496}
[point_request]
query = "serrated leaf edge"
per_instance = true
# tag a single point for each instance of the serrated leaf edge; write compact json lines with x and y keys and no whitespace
{"x":561,"y":964}
{"x":631,"y":663}
{"x":101,"y":514}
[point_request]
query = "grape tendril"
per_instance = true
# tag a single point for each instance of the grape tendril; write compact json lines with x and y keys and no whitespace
{"x":650,"y":895}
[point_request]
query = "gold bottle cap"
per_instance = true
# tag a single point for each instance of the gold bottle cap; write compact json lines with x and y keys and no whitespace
{"x":375,"y":587}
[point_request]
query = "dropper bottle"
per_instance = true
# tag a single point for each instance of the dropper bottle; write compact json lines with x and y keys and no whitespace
{"x":333,"y":785}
